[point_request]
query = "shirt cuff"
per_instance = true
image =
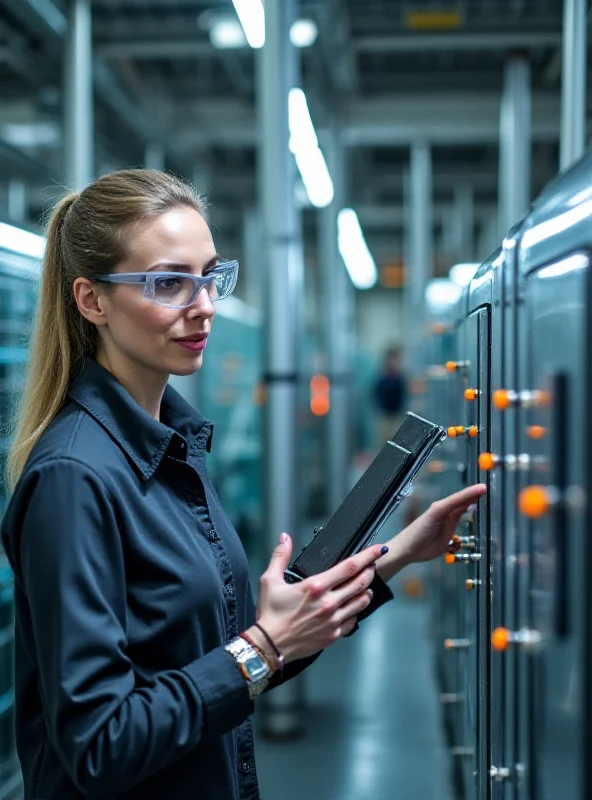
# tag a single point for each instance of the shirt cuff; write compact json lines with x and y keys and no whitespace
{"x":223,"y":690}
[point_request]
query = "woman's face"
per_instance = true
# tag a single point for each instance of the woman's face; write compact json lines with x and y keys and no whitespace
{"x":139,"y":329}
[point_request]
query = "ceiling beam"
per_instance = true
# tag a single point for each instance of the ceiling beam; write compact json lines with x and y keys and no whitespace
{"x":465,"y":41}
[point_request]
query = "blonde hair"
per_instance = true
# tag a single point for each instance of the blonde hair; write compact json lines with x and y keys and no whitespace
{"x":86,"y":235}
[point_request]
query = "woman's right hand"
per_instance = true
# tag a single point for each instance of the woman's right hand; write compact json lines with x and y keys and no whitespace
{"x":303,"y":618}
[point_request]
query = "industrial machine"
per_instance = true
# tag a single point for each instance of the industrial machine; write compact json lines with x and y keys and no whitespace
{"x":508,"y":371}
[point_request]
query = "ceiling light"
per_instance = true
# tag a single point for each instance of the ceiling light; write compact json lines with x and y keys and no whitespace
{"x":354,"y":250}
{"x":226,"y":34}
{"x":303,"y":33}
{"x":304,"y":144}
{"x":462,"y":274}
{"x":19,"y":241}
{"x":252,"y":18}
{"x":441,"y":293}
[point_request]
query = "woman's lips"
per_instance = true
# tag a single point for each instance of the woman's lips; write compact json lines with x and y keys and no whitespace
{"x":197,"y":344}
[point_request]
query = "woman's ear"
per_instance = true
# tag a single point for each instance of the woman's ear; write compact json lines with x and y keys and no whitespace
{"x":90,"y":301}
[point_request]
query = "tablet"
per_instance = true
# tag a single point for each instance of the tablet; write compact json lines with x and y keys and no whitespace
{"x":372,"y":500}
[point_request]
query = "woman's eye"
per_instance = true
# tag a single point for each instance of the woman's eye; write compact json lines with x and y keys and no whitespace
{"x":167,"y":283}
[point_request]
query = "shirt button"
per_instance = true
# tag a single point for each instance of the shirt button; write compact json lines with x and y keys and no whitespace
{"x":230,"y":588}
{"x":245,"y":766}
{"x":213,"y":536}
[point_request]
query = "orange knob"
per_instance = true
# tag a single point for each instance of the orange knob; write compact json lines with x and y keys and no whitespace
{"x":536,"y":432}
{"x":448,"y":644}
{"x":451,"y":366}
{"x":487,"y":461}
{"x":470,"y":394}
{"x":454,"y":544}
{"x":500,"y":639}
{"x":435,"y":467}
{"x":470,"y":584}
{"x":534,"y":501}
{"x":501,"y":399}
{"x":452,"y":433}
{"x":473,"y":431}
{"x":449,"y":558}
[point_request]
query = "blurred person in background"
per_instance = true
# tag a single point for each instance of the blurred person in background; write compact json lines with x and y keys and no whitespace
{"x":389,"y":396}
{"x":138,"y":647}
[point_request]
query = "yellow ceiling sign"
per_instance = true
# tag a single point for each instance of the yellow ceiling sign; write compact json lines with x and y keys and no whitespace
{"x":433,"y":20}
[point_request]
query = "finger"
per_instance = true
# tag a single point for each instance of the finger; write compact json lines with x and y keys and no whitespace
{"x":346,"y":591}
{"x":462,"y":499}
{"x":280,"y":558}
{"x":355,"y":606}
{"x":352,"y":566}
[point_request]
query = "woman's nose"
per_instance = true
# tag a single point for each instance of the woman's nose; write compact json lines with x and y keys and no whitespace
{"x":203,"y":305}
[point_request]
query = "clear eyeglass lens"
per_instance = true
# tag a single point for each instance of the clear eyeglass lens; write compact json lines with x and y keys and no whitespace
{"x":173,"y":291}
{"x":179,"y":291}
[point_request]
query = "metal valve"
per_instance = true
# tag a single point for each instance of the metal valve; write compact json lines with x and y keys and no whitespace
{"x":472,"y":583}
{"x":461,"y":543}
{"x":456,"y":366}
{"x":456,"y":644}
{"x":464,"y":558}
{"x":451,"y":698}
{"x":488,"y":461}
{"x":459,"y":430}
{"x":507,"y":398}
{"x":502,"y":638}
{"x":499,"y":773}
{"x":462,"y":750}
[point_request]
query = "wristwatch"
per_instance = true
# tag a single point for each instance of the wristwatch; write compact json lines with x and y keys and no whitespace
{"x":254,"y":667}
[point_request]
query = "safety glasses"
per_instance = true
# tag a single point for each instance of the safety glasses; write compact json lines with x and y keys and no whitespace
{"x":179,"y":289}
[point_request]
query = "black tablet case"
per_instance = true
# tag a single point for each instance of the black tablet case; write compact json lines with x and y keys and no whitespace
{"x":374,"y":497}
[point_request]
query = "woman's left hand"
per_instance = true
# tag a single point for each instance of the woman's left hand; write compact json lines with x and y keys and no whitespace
{"x":427,"y":537}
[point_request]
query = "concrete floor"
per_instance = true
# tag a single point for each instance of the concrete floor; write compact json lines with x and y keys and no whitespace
{"x":373,"y":720}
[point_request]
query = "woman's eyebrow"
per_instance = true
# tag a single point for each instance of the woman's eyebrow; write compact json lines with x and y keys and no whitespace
{"x":173,"y":266}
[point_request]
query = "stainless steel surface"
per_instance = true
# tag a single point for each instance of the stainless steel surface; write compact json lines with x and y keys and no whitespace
{"x":572,"y":143}
{"x":282,"y":259}
{"x":78,"y":96}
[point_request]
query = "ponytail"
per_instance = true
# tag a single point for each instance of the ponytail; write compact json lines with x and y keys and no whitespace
{"x":50,"y":354}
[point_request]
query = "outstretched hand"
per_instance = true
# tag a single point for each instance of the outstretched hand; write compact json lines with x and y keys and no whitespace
{"x":427,"y":537}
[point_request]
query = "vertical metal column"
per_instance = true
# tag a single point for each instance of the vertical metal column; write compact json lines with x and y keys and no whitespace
{"x":573,"y":83}
{"x":464,"y":211}
{"x":282,"y":259}
{"x":338,"y":320}
{"x":78,"y":96}
{"x":421,"y":234}
{"x":17,"y":200}
{"x":515,"y":144}
{"x":253,"y":286}
{"x":154,"y":156}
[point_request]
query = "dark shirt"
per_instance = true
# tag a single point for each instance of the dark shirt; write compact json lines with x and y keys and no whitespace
{"x":129,"y":579}
{"x":390,"y":393}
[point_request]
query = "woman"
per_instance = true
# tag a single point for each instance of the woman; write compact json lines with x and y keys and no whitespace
{"x":138,"y":647}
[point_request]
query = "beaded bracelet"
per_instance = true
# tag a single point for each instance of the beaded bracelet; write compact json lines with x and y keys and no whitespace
{"x":280,"y":657}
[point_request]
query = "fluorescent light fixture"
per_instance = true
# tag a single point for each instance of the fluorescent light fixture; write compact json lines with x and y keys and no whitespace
{"x":303,"y":33}
{"x":252,"y":17}
{"x":441,"y":293}
{"x":20,"y":241}
{"x":354,"y":250}
{"x":305,"y":146}
{"x":226,"y":34}
{"x":462,"y":274}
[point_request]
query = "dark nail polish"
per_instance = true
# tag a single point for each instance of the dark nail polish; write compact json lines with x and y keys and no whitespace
{"x":383,"y":550}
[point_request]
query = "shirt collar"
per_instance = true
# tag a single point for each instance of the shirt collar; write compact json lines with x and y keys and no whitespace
{"x":144,"y":439}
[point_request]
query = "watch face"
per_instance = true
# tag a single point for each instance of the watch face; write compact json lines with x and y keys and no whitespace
{"x":255,"y":668}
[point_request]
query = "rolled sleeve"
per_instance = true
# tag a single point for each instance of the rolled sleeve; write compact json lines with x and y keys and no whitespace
{"x":109,"y":731}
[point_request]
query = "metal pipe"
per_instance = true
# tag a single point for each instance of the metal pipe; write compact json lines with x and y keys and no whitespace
{"x":338,"y":319}
{"x":282,"y":258}
{"x":421,"y":232}
{"x":154,"y":156}
{"x":573,"y":85}
{"x":17,"y":200}
{"x":78,"y":96}
{"x":426,"y":42}
{"x":515,"y":144}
